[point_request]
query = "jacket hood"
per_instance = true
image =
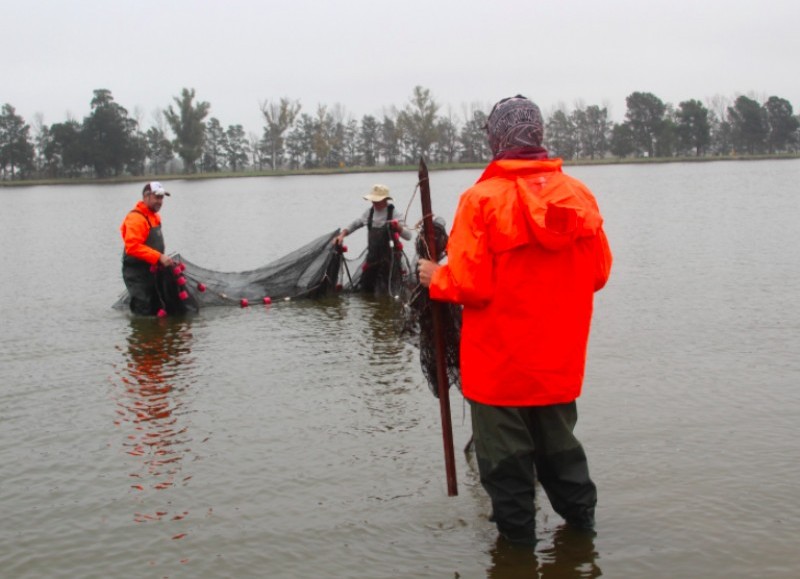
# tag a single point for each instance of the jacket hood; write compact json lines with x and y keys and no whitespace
{"x":557,"y":208}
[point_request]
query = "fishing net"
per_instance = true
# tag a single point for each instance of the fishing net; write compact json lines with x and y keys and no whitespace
{"x":388,"y":277}
{"x":416,"y":324}
{"x":308,"y":272}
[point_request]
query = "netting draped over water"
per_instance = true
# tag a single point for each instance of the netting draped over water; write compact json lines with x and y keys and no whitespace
{"x":310,"y":271}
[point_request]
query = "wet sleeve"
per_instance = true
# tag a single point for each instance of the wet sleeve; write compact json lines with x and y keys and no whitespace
{"x":134,"y":233}
{"x":406,"y":233}
{"x":467,"y":277}
{"x":358,"y":223}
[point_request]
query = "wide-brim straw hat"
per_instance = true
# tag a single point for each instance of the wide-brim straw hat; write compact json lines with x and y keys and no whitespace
{"x":378,"y":193}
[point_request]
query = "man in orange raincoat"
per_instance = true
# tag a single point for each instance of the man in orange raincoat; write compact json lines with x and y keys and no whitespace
{"x":526,"y":253}
{"x":144,"y":250}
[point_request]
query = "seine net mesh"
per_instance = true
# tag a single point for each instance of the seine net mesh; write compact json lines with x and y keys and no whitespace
{"x":389,"y":276}
{"x":417,"y":318}
{"x":310,"y":271}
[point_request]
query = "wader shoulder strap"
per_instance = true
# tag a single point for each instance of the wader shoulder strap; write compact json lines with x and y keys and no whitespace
{"x":389,"y":214}
{"x":146,"y":218}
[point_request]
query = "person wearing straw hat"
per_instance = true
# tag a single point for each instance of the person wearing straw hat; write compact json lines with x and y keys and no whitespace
{"x":382,"y":221}
{"x":526,"y":254}
{"x":144,"y":250}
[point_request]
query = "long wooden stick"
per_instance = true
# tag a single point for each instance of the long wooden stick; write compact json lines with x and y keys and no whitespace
{"x":443,"y":387}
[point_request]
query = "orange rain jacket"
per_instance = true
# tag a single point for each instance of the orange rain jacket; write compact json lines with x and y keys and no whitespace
{"x":526,"y":253}
{"x":135,"y":230}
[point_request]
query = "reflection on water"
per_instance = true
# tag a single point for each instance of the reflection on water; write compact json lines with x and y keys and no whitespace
{"x":386,"y":358}
{"x":572,"y":554}
{"x":383,"y":321}
{"x":152,"y":409}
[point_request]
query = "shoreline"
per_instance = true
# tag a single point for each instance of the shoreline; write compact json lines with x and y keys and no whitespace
{"x":382,"y":169}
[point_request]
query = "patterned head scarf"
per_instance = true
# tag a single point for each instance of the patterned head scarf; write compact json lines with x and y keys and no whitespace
{"x":514,"y":122}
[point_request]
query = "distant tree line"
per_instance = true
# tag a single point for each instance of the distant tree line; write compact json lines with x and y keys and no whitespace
{"x":184,"y":139}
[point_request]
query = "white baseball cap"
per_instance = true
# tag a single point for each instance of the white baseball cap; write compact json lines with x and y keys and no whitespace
{"x":156,"y":188}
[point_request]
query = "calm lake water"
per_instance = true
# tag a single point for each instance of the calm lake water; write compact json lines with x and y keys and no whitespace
{"x":300,"y":439}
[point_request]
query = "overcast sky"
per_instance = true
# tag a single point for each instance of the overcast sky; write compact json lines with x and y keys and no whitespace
{"x":367,"y":55}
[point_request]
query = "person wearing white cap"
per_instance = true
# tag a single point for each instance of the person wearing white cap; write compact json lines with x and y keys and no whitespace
{"x":144,"y":250}
{"x":382,"y":220}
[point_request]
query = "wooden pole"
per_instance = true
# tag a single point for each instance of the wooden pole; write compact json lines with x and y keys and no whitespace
{"x":443,"y":387}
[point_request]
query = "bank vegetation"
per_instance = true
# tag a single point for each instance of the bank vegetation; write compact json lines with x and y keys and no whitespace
{"x":108,"y":145}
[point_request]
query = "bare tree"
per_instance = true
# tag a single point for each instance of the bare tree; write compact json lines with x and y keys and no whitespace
{"x":279,"y":117}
